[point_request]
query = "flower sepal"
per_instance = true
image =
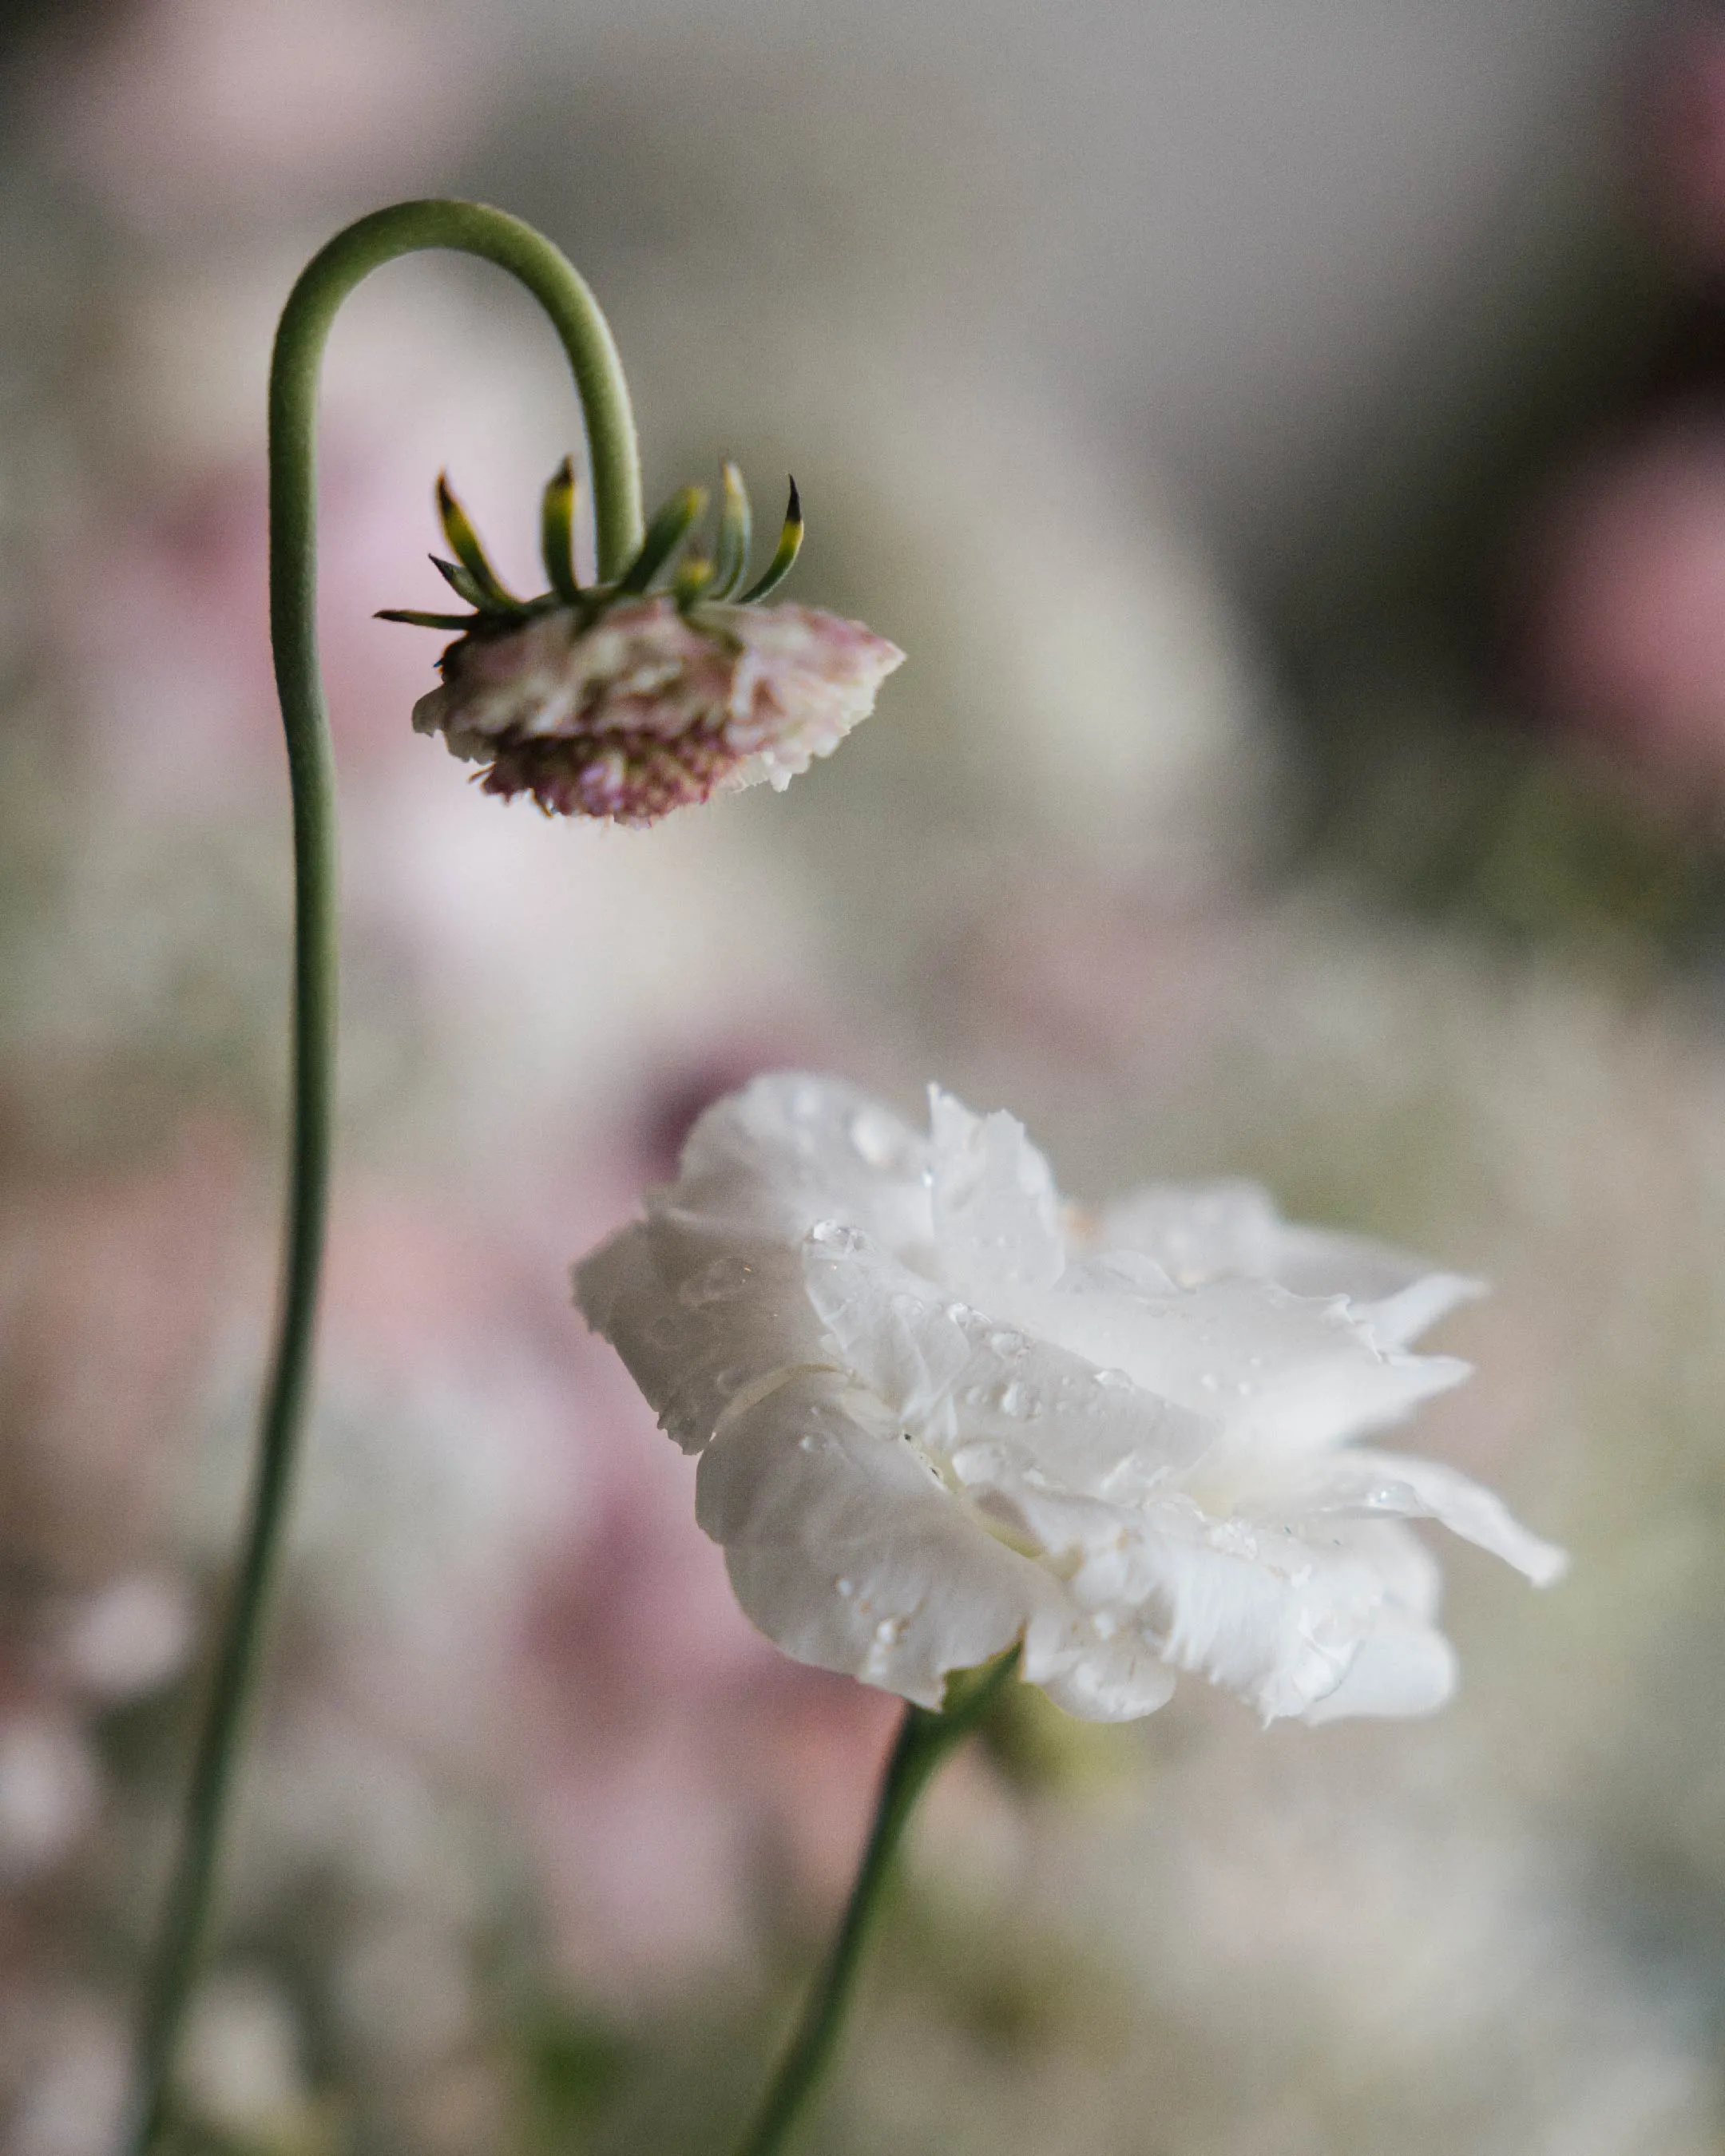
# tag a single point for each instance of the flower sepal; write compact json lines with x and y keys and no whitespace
{"x":627,"y":699}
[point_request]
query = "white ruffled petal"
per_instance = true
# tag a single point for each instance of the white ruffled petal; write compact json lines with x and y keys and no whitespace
{"x":1196,"y":1231}
{"x":997,"y":1215}
{"x":1283,"y":1621}
{"x":1401,"y":1668}
{"x":1283,"y":1374}
{"x":1200,"y":1232}
{"x":701,"y":1323}
{"x":790,"y":1150}
{"x":988,"y":1398}
{"x":1363,"y":1483}
{"x":1117,"y":1679}
{"x":845,"y":1549}
{"x":1396,"y":1320}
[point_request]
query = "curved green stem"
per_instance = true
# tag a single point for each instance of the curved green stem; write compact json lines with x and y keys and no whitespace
{"x":924,"y":1740}
{"x":469,"y":228}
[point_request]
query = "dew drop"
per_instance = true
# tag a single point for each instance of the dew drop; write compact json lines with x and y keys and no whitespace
{"x":1008,"y":1343}
{"x":1114,"y":1380}
{"x":834,"y":1235}
{"x":874,"y":1137}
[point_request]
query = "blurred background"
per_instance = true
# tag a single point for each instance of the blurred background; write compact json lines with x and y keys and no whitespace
{"x":1290,"y":443}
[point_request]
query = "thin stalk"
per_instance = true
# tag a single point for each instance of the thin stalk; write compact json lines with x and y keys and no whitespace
{"x":469,"y":228}
{"x":924,"y":1740}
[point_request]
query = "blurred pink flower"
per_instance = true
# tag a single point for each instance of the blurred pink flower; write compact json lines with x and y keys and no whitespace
{"x":175,"y":667}
{"x":1624,"y":609}
{"x":111,"y":1297}
{"x":184,"y":104}
{"x":1682,"y":129}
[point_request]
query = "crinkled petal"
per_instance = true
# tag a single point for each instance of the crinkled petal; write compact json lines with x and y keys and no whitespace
{"x":1276,"y":1616}
{"x":997,"y":1215}
{"x":791,"y":1149}
{"x":1199,"y":1232}
{"x":1402,"y":1668}
{"x":1396,"y":1319}
{"x":1196,"y":1231}
{"x":990,"y":1399}
{"x":701,"y":1322}
{"x":1363,"y":1483}
{"x":1117,"y":1679}
{"x":845,"y":1547}
{"x":1283,"y":1374}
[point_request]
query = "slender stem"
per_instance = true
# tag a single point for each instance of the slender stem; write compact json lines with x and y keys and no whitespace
{"x":469,"y":228}
{"x":924,"y":1740}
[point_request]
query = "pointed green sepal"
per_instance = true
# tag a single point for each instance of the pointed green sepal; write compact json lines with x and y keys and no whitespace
{"x":790,"y":545}
{"x":557,"y":533}
{"x":415,"y":619}
{"x":693,"y":582}
{"x":665,"y":535}
{"x":463,"y":542}
{"x":461,"y":581}
{"x":730,"y":553}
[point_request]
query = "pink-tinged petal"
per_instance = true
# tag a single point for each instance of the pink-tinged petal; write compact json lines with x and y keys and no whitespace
{"x":648,"y":709}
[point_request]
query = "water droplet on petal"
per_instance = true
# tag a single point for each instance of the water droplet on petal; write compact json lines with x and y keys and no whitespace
{"x":835,"y":1237}
{"x":874,"y":1137}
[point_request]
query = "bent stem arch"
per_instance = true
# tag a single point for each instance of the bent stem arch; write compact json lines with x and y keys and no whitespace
{"x":407,"y":228}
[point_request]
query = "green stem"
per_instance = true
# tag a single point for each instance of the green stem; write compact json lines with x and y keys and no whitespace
{"x":924,"y":1740}
{"x":469,"y":228}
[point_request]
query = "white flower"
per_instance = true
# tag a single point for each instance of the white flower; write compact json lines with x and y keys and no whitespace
{"x":939,"y":1413}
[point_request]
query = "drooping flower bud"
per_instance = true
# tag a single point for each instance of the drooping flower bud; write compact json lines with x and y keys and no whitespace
{"x":622,"y":702}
